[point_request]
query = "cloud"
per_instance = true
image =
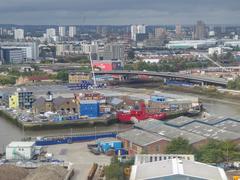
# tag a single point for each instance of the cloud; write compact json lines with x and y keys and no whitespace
{"x":118,"y":11}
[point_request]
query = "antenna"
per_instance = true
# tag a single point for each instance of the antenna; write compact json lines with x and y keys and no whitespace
{"x":94,"y":78}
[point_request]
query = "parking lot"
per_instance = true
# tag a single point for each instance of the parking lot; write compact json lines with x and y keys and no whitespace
{"x":80,"y":156}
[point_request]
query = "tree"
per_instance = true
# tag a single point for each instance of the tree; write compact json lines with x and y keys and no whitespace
{"x":218,"y":151}
{"x":62,"y":75}
{"x":131,"y":54}
{"x":179,"y":146}
{"x":114,"y":171}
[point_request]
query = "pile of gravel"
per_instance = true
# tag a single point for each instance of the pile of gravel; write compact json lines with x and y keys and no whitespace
{"x":11,"y":172}
{"x":49,"y":172}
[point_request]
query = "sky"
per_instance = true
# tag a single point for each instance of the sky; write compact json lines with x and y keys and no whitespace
{"x":119,"y":12}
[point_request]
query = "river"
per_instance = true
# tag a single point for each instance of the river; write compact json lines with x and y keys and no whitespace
{"x":9,"y":132}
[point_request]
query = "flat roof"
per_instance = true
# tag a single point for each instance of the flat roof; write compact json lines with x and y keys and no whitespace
{"x":21,"y":144}
{"x":210,"y":131}
{"x":140,"y":137}
{"x":229,"y":125}
{"x":180,"y":121}
{"x":156,"y":126}
{"x":176,"y":168}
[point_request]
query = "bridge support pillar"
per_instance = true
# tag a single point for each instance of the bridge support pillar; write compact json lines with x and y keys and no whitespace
{"x":202,"y":84}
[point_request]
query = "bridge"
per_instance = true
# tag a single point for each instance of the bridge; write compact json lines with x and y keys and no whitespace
{"x":187,"y":77}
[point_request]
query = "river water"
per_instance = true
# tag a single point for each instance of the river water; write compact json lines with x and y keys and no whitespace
{"x":9,"y":132}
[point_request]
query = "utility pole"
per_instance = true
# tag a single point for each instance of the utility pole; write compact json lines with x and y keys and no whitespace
{"x":93,"y":73}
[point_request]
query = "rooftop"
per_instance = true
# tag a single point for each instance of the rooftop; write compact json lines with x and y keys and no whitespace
{"x":179,"y":121}
{"x":176,"y":168}
{"x":229,"y":125}
{"x":140,"y":137}
{"x":21,"y":144}
{"x":210,"y":131}
{"x":158,"y":127}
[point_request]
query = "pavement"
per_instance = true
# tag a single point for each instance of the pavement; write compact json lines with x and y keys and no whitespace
{"x":80,"y":156}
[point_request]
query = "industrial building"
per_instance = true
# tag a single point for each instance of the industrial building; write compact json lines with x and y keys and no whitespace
{"x":179,"y":169}
{"x":158,"y":127}
{"x":20,"y":150}
{"x":137,"y":141}
{"x":77,"y":77}
{"x":90,"y":108}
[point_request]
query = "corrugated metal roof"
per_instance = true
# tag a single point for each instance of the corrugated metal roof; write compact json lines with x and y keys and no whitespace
{"x":140,"y":137}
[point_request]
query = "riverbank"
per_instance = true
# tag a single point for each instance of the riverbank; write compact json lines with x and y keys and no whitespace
{"x":57,"y":125}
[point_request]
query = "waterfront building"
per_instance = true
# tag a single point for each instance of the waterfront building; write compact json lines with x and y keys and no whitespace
{"x":59,"y":104}
{"x":25,"y":99}
{"x":90,"y":108}
{"x":13,"y":101}
{"x":18,"y":34}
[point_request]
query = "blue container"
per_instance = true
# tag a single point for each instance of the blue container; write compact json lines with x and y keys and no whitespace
{"x":105,"y":146}
{"x":156,"y":98}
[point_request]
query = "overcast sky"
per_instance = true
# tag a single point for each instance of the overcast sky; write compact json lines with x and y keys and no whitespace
{"x":119,"y":11}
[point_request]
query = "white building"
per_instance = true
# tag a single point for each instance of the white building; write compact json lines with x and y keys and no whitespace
{"x":137,"y":29}
{"x":20,"y":150}
{"x":62,"y":31}
{"x":72,"y":31}
{"x":51,"y":32}
{"x":215,"y":50}
{"x":18,"y":34}
{"x":179,"y":169}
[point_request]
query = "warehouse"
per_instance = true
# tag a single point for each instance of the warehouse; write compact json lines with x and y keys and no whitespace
{"x":211,"y":132}
{"x":177,"y":169}
{"x":180,"y":121}
{"x":155,"y":126}
{"x":138,"y":141}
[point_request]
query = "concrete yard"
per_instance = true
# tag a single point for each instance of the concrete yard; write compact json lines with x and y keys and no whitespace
{"x":80,"y":156}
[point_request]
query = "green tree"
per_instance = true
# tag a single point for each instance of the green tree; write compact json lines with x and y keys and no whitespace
{"x":62,"y":75}
{"x":114,"y":171}
{"x":218,"y":151}
{"x":179,"y":146}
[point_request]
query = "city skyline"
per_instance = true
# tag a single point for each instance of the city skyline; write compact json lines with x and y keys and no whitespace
{"x":109,"y":12}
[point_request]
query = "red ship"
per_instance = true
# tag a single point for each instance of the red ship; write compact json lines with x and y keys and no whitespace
{"x":139,"y":114}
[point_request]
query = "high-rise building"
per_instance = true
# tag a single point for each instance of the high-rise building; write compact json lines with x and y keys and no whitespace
{"x":137,"y":29}
{"x":18,"y":34}
{"x":62,"y":31}
{"x":51,"y":32}
{"x":178,"y":29}
{"x":72,"y":31}
{"x":200,"y":31}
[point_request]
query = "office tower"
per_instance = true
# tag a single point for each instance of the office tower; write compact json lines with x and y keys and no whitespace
{"x":62,"y":31}
{"x":51,"y":32}
{"x":200,"y":31}
{"x":178,"y":29}
{"x":18,"y":34}
{"x":72,"y":31}
{"x":137,"y":29}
